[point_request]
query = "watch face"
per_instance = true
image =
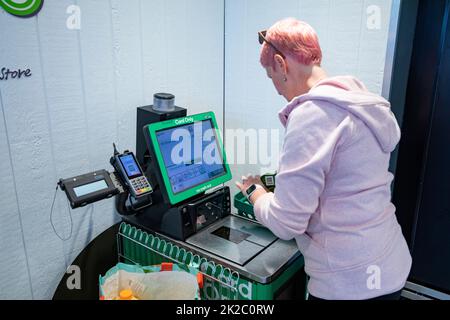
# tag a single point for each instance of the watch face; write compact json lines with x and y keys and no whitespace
{"x":250,"y":189}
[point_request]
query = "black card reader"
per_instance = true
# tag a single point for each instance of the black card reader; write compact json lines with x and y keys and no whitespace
{"x":88,"y":188}
{"x":131,"y":173}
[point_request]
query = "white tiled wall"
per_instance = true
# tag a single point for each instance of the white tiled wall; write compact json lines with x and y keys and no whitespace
{"x":87,"y":84}
{"x":82,"y":96}
{"x":349,"y":47}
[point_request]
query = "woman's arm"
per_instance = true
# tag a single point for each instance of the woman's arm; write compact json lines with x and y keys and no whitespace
{"x":314,"y":132}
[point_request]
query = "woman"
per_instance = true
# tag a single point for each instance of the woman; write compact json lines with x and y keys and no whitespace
{"x":333,"y":186}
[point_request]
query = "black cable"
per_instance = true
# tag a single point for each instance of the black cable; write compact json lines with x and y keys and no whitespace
{"x":51,"y":218}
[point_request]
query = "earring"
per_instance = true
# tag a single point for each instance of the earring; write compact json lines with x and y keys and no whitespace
{"x":285,"y":79}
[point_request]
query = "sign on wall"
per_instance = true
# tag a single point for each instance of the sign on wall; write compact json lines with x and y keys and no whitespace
{"x":6,"y":73}
{"x":22,"y":8}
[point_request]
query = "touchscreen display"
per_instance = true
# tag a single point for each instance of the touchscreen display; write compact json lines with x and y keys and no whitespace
{"x":130,"y":166}
{"x":90,"y":188}
{"x":193,"y":170}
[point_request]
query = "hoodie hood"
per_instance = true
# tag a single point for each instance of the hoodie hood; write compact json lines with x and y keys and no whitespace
{"x":350,"y":94}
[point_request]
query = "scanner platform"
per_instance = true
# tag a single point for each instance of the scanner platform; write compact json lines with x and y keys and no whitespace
{"x":261,"y":258}
{"x":237,"y":240}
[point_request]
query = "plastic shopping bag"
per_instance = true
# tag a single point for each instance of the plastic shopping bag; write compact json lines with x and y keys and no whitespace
{"x":162,"y":282}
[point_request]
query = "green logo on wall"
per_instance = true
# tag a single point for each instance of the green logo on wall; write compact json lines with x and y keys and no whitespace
{"x":22,"y":8}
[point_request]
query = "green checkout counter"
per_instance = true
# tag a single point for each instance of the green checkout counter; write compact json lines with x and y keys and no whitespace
{"x":261,"y":267}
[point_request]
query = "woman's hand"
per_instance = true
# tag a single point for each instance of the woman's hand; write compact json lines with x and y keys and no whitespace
{"x":247,"y":182}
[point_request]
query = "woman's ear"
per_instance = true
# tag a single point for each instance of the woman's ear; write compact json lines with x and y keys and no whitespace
{"x":281,"y":64}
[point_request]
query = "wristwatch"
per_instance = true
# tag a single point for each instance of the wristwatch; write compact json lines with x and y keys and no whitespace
{"x":250,"y":190}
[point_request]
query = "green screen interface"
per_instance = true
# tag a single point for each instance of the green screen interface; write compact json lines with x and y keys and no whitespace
{"x":190,"y":155}
{"x":198,"y":162}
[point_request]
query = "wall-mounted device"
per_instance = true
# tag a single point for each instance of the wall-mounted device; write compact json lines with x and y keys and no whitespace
{"x":88,"y":188}
{"x":128,"y":182}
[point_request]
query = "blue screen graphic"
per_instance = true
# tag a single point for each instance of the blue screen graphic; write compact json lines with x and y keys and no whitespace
{"x":130,"y":166}
{"x":191,"y":155}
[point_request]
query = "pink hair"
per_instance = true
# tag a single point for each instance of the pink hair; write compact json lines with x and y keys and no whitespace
{"x":294,"y":38}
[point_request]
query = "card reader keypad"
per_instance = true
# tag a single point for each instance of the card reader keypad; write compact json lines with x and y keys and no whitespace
{"x":141,"y":185}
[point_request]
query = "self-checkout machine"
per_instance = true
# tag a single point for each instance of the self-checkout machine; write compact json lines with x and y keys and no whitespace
{"x":192,"y":209}
{"x":176,"y":208}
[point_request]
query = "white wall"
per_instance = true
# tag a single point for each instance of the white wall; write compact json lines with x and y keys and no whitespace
{"x":349,"y":47}
{"x":82,"y":96}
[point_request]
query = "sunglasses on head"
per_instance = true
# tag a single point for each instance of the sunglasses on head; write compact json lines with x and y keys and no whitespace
{"x":262,"y":39}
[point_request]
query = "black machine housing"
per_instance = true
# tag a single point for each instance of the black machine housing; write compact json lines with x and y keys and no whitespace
{"x":69,"y":185}
{"x":184,"y":219}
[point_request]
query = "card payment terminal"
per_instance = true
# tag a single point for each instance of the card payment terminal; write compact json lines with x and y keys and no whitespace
{"x":131,"y":174}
